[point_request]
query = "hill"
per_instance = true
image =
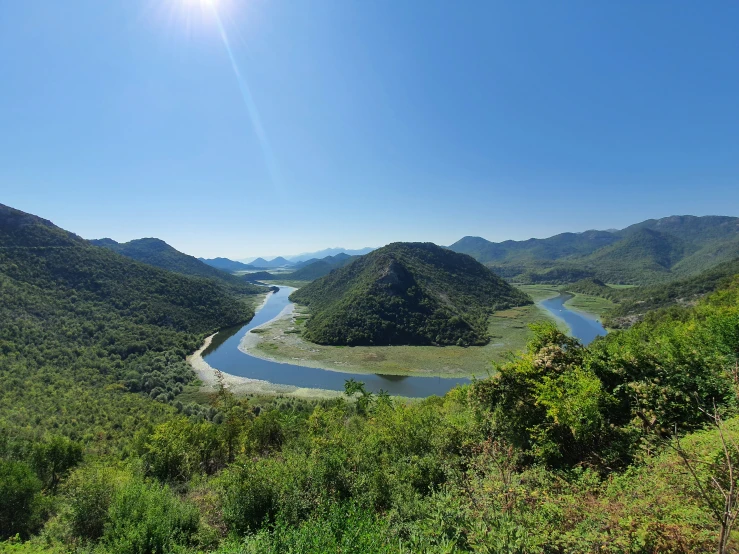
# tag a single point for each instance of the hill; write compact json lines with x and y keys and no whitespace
{"x":225,"y":264}
{"x":633,"y":304}
{"x":258,"y":276}
{"x":406,"y":293}
{"x":158,"y":253}
{"x":653,"y":251}
{"x":319,"y":268}
{"x":82,"y":325}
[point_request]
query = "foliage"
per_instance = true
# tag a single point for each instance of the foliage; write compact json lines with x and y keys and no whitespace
{"x":565,"y":449}
{"x":406,"y":293}
{"x":319,"y":268}
{"x":19,"y":499}
{"x":158,"y":253}
{"x":654,"y":251}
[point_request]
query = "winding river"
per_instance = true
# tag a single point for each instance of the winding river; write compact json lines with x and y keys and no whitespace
{"x":584,"y":327}
{"x":224,"y":354}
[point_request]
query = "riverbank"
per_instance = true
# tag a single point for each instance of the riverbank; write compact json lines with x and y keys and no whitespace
{"x":279,"y":340}
{"x":243,"y":385}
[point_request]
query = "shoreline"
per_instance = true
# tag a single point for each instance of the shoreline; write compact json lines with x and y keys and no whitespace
{"x":244,"y":385}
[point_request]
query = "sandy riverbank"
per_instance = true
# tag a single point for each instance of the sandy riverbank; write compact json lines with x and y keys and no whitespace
{"x":244,"y":385}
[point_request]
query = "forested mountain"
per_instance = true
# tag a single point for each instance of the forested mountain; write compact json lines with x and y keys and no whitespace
{"x":225,"y":264}
{"x":656,"y":250}
{"x":75,"y":316}
{"x":634,"y":303}
{"x":319,"y":268}
{"x":406,"y":293}
{"x":158,"y":253}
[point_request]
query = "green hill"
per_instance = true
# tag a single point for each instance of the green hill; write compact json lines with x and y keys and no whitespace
{"x":406,"y":293}
{"x":258,"y":276}
{"x":319,"y":268}
{"x":80,"y":326}
{"x":653,"y":251}
{"x":633,"y":303}
{"x":158,"y":253}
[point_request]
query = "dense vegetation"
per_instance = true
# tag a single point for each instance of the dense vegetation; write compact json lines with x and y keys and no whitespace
{"x":632,"y":304}
{"x":406,"y":293}
{"x":158,"y":253}
{"x":258,"y":276}
{"x":319,"y":268}
{"x":81,"y":325}
{"x":653,"y":251}
{"x":566,"y":449}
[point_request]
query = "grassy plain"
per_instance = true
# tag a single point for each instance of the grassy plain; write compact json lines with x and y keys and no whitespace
{"x":592,"y":305}
{"x":287,"y":283}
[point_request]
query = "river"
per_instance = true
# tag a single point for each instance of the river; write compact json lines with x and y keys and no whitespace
{"x":583,"y":327}
{"x":224,"y":354}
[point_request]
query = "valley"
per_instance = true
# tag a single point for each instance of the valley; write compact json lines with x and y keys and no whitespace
{"x":275,"y":337}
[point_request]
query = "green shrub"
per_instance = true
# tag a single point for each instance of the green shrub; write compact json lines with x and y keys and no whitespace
{"x":145,"y":518}
{"x":19,"y":499}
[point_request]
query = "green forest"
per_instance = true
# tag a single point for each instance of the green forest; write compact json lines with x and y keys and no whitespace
{"x":406,"y":293}
{"x":652,"y":252}
{"x":626,"y":445}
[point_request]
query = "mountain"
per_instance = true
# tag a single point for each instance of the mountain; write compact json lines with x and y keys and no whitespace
{"x":552,"y":248}
{"x":319,"y":268}
{"x":37,"y":255}
{"x":406,"y":293}
{"x":656,"y":250}
{"x":92,"y":343}
{"x":225,"y":264}
{"x":158,"y":253}
{"x":321,"y":254}
{"x":261,"y":263}
{"x":633,"y":304}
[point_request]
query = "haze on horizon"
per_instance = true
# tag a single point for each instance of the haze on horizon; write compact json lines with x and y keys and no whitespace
{"x":275,"y":128}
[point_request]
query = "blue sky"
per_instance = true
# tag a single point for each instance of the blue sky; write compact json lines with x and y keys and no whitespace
{"x":362,"y":122}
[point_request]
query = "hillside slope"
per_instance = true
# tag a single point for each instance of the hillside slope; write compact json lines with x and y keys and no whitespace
{"x":319,"y":268}
{"x":653,"y":251}
{"x":158,"y":253}
{"x":82,"y":325}
{"x":225,"y":264}
{"x":406,"y":293}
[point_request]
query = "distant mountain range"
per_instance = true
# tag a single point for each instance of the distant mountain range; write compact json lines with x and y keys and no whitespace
{"x":321,"y":254}
{"x":156,"y":252}
{"x":312,"y":269}
{"x":406,"y":293}
{"x":226,"y":265}
{"x":656,"y":250}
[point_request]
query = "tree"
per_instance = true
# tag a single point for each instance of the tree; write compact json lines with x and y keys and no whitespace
{"x":720,"y":496}
{"x":19,"y":499}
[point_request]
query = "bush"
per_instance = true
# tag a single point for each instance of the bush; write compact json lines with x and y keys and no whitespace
{"x":19,"y":499}
{"x":145,"y":518}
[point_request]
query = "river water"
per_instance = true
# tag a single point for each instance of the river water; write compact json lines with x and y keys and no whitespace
{"x":224,"y":354}
{"x":582,"y":326}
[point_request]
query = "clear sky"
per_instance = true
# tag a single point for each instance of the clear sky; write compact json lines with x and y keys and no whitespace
{"x":361,"y":122}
